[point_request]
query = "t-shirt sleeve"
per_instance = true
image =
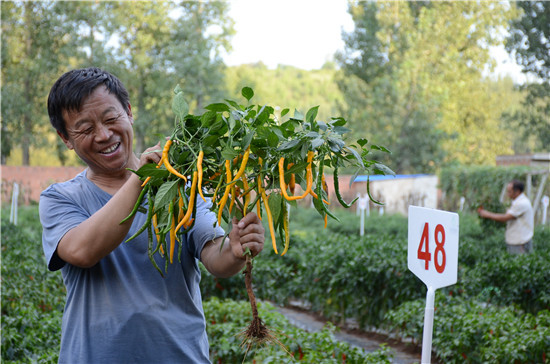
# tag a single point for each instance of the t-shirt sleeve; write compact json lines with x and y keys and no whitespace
{"x":58,"y":215}
{"x":517,"y":209}
{"x":205,"y":229}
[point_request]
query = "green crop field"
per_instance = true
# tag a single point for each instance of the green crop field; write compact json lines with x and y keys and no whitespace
{"x":497,"y":312}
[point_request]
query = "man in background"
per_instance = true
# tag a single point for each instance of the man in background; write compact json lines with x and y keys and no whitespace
{"x":519,"y":219}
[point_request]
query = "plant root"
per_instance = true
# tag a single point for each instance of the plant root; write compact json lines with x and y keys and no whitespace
{"x":257,"y":333}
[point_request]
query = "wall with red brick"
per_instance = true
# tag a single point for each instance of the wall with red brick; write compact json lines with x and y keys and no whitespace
{"x":33,"y":180}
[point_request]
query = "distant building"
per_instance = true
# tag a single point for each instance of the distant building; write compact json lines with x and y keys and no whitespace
{"x":537,"y":160}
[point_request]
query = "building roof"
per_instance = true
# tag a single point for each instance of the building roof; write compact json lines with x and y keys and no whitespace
{"x":381,"y":177}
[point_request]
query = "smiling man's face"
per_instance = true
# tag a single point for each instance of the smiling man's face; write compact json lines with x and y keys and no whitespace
{"x":101,"y":133}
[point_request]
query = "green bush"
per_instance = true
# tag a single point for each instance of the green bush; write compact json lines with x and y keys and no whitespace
{"x":33,"y":300}
{"x":336,"y":272}
{"x":227,"y":318}
{"x":32,"y":297}
{"x":478,"y":184}
{"x":342,"y":275}
{"x":476,"y":332}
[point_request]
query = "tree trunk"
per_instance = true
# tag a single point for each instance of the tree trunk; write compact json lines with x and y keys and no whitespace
{"x":140,"y":127}
{"x":27,"y":119}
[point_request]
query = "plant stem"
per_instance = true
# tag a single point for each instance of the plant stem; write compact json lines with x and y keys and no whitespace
{"x":248,"y":283}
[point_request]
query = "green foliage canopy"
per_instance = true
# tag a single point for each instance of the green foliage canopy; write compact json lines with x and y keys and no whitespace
{"x":413,"y":78}
{"x":529,"y":41}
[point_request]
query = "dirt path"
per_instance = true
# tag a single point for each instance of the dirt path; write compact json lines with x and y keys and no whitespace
{"x":402,"y":353}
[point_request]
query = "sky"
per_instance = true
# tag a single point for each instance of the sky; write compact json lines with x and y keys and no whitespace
{"x":304,"y":34}
{"x":300,"y":33}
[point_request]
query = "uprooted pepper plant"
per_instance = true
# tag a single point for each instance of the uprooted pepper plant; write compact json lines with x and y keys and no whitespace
{"x":245,"y":158}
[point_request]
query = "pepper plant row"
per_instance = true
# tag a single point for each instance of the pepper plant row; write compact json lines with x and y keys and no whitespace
{"x":245,"y":158}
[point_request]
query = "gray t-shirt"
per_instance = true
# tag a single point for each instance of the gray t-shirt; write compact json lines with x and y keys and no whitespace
{"x":121,"y":310}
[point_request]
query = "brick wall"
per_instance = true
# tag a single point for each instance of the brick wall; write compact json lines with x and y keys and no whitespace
{"x":32,"y":180}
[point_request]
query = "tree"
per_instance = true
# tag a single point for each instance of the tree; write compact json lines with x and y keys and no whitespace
{"x":204,"y":31}
{"x":34,"y":47}
{"x":150,"y":46}
{"x":162,"y":44}
{"x":529,"y":42}
{"x":418,"y":69}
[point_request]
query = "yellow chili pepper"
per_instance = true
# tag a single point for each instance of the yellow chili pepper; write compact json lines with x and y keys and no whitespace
{"x":145,"y":182}
{"x":240,"y":172}
{"x":167,"y":162}
{"x":246,"y":196}
{"x":223,"y":201}
{"x":309,"y":177}
{"x":199,"y":169}
{"x":259,"y":209}
{"x":192,"y":197}
{"x":292,"y":183}
{"x":172,"y":235}
{"x":282,"y":182}
{"x":155,"y":224}
{"x":267,"y":210}
{"x":233,"y":197}
{"x":285,"y":227}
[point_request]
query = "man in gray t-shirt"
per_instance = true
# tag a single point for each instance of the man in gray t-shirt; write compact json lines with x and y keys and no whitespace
{"x":119,"y":309}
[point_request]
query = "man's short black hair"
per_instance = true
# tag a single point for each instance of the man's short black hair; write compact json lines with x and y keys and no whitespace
{"x":70,"y":90}
{"x":518,"y":185}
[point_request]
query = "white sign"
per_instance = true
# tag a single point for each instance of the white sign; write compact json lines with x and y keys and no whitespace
{"x":433,"y":246}
{"x":432,"y":257}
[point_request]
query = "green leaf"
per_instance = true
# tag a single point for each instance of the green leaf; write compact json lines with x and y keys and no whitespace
{"x":272,"y":140}
{"x":220,"y":106}
{"x":356,"y":155}
{"x":284,"y":112}
{"x":339,"y":121}
{"x":247,"y":140}
{"x":208,"y":118}
{"x":229,"y":153}
{"x":362,"y":142}
{"x":353,"y":177}
{"x":210,"y":141}
{"x":341,"y":130}
{"x":312,"y":134}
{"x":316,"y":143}
{"x":247,"y":93}
{"x":312,"y":114}
{"x":179,"y":105}
{"x":288,"y":144}
{"x":380,"y":168}
{"x":334,"y":145}
{"x":233,"y":104}
{"x":178,"y":89}
{"x":263,"y":115}
{"x":150,"y":169}
{"x":379,"y":147}
{"x":166,"y":193}
{"x":274,"y":202}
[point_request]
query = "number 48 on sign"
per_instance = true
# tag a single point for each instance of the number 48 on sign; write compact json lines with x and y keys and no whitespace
{"x":433,"y":246}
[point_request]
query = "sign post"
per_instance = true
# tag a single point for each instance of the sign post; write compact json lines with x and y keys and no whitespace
{"x":545,"y":202}
{"x":363,"y":205}
{"x":14,"y":204}
{"x":432,"y":257}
